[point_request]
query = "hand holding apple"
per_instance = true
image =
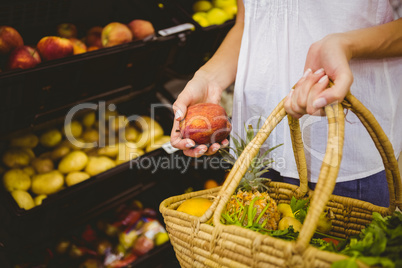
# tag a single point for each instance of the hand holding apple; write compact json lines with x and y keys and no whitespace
{"x":10,"y":38}
{"x":23,"y":57}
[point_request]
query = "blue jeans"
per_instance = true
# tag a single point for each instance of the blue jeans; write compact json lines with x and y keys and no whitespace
{"x":373,"y":189}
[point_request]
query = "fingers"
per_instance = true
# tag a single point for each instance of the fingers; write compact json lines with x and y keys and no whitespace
{"x":204,"y":150}
{"x":296,"y":103}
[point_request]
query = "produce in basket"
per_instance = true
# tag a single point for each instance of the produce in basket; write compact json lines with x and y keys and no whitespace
{"x":252,"y":190}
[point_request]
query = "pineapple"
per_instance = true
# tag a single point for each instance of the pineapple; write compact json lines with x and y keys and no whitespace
{"x":251,"y":206}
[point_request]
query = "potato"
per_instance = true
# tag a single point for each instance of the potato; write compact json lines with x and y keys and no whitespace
{"x":149,"y":136}
{"x":98,"y":165}
{"x":73,"y":129}
{"x":50,"y":138}
{"x":42,"y":165}
{"x":39,"y":199}
{"x":74,"y":161}
{"x":157,"y":144}
{"x":127,"y":152}
{"x":90,"y":135}
{"x":47,"y":183}
{"x":89,"y":119}
{"x":76,"y":177}
{"x":23,"y":199}
{"x":145,"y":123}
{"x":16,"y":179}
{"x":28,"y":140}
{"x":17,"y":157}
{"x":29,"y":170}
{"x":60,"y":151}
{"x":109,"y":150}
{"x":132,"y":134}
{"x":117,"y":123}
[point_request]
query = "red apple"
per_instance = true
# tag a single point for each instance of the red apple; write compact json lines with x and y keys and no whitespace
{"x":205,"y":123}
{"x":10,"y":38}
{"x":116,"y":33}
{"x":55,"y":47}
{"x":67,"y":30}
{"x":141,"y":29}
{"x":94,"y":37}
{"x":23,"y":57}
{"x":78,"y":46}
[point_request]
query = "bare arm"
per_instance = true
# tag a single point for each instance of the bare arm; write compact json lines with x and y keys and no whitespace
{"x":208,"y":84}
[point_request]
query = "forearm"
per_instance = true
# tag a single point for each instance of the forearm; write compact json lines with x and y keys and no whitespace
{"x":222,"y":67}
{"x":375,"y":42}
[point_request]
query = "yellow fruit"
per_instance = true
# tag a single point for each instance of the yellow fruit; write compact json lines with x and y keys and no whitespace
{"x":27,"y":140}
{"x":74,"y":161}
{"x":47,"y":183}
{"x":324,"y":224}
{"x":76,"y":177}
{"x":285,"y":210}
{"x":118,"y":122}
{"x":17,"y":157}
{"x":195,"y":206}
{"x":161,"y":238}
{"x":202,"y":6}
{"x":50,"y":138}
{"x":210,"y":184}
{"x":16,"y":179}
{"x":38,"y":199}
{"x":157,"y":143}
{"x":74,"y":129}
{"x":201,"y":19}
{"x":285,"y":222}
{"x":223,"y":3}
{"x":23,"y":199}
{"x":89,"y":119}
{"x":217,"y":16}
{"x":98,"y":165}
{"x":231,"y":11}
{"x":90,"y":135}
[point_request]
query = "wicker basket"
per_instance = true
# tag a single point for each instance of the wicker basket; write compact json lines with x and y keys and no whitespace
{"x":198,"y":244}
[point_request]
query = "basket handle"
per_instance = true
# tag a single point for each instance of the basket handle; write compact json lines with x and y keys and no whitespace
{"x":329,"y":169}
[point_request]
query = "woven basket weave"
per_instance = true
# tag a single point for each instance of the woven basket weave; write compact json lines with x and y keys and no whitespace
{"x":198,"y":244}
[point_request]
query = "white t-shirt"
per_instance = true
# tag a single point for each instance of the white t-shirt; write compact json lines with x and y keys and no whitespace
{"x":277,"y":36}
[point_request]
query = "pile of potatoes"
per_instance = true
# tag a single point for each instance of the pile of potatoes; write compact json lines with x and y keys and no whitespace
{"x":38,"y":165}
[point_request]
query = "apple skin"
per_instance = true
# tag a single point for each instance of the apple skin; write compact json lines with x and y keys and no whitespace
{"x":205,"y":123}
{"x":54,"y":47}
{"x":66,"y":30}
{"x":78,"y":46}
{"x":116,"y":33}
{"x":23,"y":57}
{"x":141,"y":28}
{"x":94,"y":37}
{"x":10,"y":38}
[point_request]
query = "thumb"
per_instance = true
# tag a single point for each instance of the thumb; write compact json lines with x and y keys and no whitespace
{"x":336,"y":93}
{"x":179,"y":109}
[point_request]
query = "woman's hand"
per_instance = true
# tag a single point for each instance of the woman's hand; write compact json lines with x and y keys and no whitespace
{"x":198,"y":90}
{"x":326,"y":59}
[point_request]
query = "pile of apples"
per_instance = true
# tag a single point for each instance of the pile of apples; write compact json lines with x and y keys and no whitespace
{"x":66,"y":43}
{"x":214,"y":12}
{"x":36,"y":165}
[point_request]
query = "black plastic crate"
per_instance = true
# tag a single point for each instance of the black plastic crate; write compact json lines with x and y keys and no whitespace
{"x":21,"y":229}
{"x":201,"y":44}
{"x":63,"y":82}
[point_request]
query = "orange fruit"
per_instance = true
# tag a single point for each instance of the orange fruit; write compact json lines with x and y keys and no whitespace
{"x":195,"y":206}
{"x":210,"y":184}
